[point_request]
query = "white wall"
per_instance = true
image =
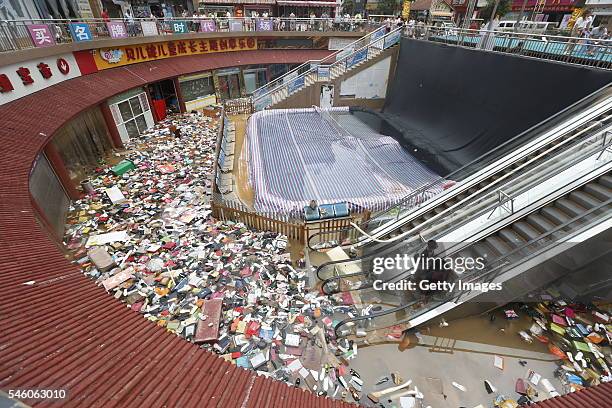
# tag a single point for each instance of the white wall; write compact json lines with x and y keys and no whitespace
{"x":371,"y":83}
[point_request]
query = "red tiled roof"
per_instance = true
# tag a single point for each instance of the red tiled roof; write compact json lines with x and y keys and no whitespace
{"x":593,"y":397}
{"x":64,"y":332}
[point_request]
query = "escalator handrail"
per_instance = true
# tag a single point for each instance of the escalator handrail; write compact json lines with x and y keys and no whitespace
{"x":561,"y":149}
{"x":421,"y":190}
{"x":491,"y":229}
{"x":456,"y":297}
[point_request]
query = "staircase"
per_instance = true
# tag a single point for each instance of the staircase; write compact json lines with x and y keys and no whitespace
{"x":333,"y":66}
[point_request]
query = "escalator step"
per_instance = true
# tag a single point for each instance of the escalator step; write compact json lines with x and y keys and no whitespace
{"x":498,"y":244}
{"x":427,"y":215}
{"x":511,"y":237}
{"x":555,"y":215}
{"x":598,"y":191}
{"x":606,"y":181}
{"x":482,"y":249}
{"x":539,"y":222}
{"x":525,"y":230}
{"x":584,"y":199}
{"x":438,"y":209}
{"x":570,"y":207}
{"x":449,"y":203}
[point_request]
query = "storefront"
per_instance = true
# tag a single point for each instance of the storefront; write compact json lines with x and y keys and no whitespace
{"x":535,"y":10}
{"x":81,"y":142}
{"x":237,"y":8}
{"x":602,"y":12}
{"x":304,"y":9}
{"x":131,"y":113}
{"x":198,"y":91}
{"x":49,"y":194}
{"x":229,"y":83}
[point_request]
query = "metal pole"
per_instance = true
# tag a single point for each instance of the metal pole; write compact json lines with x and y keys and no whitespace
{"x":518,"y":19}
{"x":468,"y":14}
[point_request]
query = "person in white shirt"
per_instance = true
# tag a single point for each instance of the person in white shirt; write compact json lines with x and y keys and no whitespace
{"x":582,"y":23}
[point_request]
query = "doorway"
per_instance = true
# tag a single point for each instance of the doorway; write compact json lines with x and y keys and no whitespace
{"x":327,"y":97}
{"x":229,"y":84}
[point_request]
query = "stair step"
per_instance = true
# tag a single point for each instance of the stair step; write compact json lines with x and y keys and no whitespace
{"x":599,"y":191}
{"x":584,"y":199}
{"x":511,"y":237}
{"x":540,"y":222}
{"x":555,"y":215}
{"x":570,"y":207}
{"x":606,"y":181}
{"x":526,"y":230}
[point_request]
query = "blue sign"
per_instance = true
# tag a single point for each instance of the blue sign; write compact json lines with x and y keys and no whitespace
{"x":378,"y":33}
{"x":80,"y":32}
{"x":392,"y":39}
{"x":323,"y":73}
{"x":264,"y":25}
{"x":179,"y":27}
{"x":296,"y":84}
{"x":262,"y":103}
{"x":357,"y":58}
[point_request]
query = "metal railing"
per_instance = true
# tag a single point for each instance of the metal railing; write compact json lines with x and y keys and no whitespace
{"x":25,"y":34}
{"x":494,"y":268}
{"x":419,"y":197}
{"x":593,"y":52}
{"x":589,"y":143}
{"x":330,"y":66}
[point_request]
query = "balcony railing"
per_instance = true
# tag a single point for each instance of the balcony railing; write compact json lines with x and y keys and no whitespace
{"x":26,"y":34}
{"x":594,"y":52}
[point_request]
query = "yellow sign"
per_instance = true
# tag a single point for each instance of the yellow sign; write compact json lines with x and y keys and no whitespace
{"x":106,"y":58}
{"x":575,"y":14}
{"x":406,"y":10}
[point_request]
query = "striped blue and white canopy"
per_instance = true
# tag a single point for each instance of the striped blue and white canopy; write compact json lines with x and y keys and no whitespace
{"x":298,"y":155}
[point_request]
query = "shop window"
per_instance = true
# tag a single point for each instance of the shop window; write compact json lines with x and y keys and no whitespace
{"x":132,"y":114}
{"x":82,"y":142}
{"x":197,"y":87}
{"x":49,"y":195}
{"x":254,"y":78}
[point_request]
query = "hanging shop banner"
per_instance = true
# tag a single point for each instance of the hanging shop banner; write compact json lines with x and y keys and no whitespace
{"x":207,"y":26}
{"x":116,"y":29}
{"x":356,"y":58}
{"x":41,"y":35}
{"x":105,"y":58}
{"x":179,"y":27}
{"x":149,"y":28}
{"x":80,"y":32}
{"x":406,"y":9}
{"x":264,"y":25}
{"x":572,"y":20}
{"x":392,"y":39}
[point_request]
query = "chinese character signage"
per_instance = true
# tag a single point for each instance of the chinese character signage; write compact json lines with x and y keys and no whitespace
{"x":207,"y":26}
{"x":116,"y":29}
{"x":179,"y":27}
{"x":41,"y":35}
{"x":264,"y":25}
{"x":149,"y":28}
{"x":24,"y":78}
{"x":80,"y":32}
{"x":133,"y":54}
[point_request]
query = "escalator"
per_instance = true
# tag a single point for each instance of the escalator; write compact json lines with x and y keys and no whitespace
{"x":433,"y":199}
{"x":467,"y":212}
{"x":509,"y":250}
